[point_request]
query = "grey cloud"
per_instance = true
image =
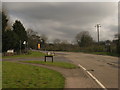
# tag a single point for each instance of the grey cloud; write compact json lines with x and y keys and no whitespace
{"x":73,"y":12}
{"x":62,"y":20}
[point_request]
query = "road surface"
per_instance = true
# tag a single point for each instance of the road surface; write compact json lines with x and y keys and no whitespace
{"x":104,"y":68}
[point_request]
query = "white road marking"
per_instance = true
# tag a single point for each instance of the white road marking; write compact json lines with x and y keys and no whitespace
{"x":81,"y":67}
{"x":97,"y":81}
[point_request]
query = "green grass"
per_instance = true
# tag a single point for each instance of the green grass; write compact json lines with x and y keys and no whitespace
{"x":27,"y":76}
{"x":32,"y":54}
{"x":0,"y":74}
{"x":58,"y":64}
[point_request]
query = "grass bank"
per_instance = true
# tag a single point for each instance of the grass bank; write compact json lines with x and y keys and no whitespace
{"x":57,"y":64}
{"x":31,"y":54}
{"x":0,"y":74}
{"x":27,"y":76}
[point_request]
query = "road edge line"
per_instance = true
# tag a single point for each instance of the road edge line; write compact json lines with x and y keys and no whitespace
{"x":93,"y":77}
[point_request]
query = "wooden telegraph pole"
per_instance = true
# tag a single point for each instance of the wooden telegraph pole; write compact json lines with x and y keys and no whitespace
{"x":98,"y":28}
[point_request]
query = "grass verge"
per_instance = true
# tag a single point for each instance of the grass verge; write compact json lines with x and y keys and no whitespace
{"x":32,"y":54}
{"x":58,"y":64}
{"x":0,"y":73}
{"x":27,"y":76}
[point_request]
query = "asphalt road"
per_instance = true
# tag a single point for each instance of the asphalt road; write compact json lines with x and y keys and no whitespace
{"x":104,"y":68}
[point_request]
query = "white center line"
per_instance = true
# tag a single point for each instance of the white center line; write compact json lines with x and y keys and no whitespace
{"x":93,"y":77}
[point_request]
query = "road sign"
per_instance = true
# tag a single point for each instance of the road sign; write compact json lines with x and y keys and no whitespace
{"x":38,"y":46}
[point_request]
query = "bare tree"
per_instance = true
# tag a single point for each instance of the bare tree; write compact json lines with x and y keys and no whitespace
{"x":57,"y":41}
{"x":44,"y":38}
{"x":84,"y":39}
{"x":117,"y":36}
{"x":30,"y":32}
{"x":33,"y":39}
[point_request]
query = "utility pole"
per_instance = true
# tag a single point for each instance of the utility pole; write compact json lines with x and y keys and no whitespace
{"x":27,"y":46}
{"x":98,"y":28}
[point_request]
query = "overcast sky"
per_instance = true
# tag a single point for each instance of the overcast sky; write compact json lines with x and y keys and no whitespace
{"x":62,"y":20}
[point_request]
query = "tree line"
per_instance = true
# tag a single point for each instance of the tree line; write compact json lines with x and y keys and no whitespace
{"x":85,"y":43}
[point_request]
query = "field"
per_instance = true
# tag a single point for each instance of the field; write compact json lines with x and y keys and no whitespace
{"x":0,"y":73}
{"x":27,"y":76}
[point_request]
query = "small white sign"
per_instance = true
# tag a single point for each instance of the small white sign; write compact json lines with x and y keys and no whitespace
{"x":24,"y":42}
{"x":49,"y":53}
{"x":10,"y":51}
